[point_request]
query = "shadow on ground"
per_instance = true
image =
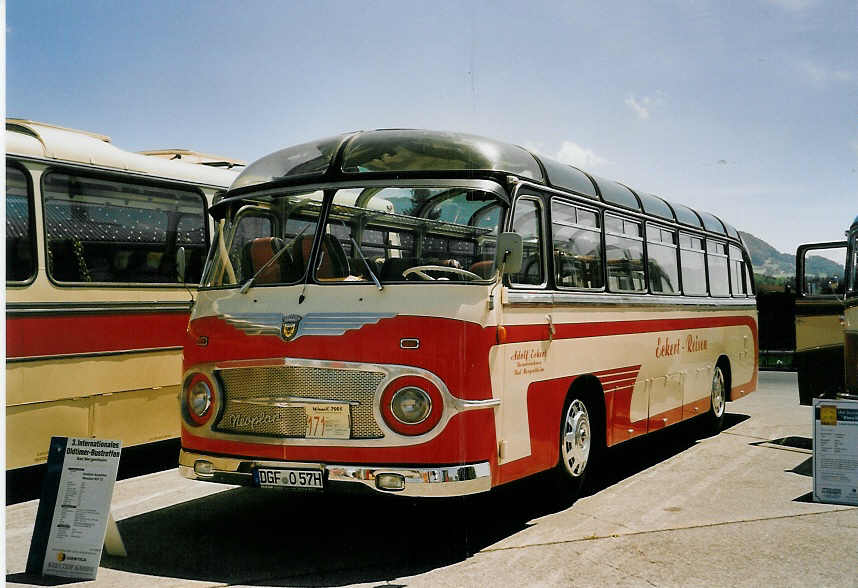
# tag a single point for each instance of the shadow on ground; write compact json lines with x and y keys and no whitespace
{"x":24,"y":578}
{"x":271,"y":537}
{"x":26,"y":483}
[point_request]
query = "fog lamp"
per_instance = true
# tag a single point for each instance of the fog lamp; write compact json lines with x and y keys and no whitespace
{"x":411,"y":405}
{"x":390,"y":481}
{"x":203,"y":467}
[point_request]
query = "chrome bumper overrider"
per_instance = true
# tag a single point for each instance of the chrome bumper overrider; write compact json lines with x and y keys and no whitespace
{"x":428,"y":482}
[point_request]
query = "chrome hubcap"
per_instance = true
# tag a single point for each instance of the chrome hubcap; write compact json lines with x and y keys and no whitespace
{"x":576,"y":438}
{"x":719,"y":395}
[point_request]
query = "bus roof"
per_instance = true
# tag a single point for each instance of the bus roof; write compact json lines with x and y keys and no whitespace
{"x":190,"y":156}
{"x":420,"y":153}
{"x":35,"y":140}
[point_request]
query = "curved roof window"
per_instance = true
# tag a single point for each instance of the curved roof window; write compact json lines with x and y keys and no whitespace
{"x":561,"y":175}
{"x":686,"y":216}
{"x":313,"y":158}
{"x":616,"y":193}
{"x":420,"y":151}
{"x":655,"y":205}
{"x":711,"y":223}
{"x":730,"y":230}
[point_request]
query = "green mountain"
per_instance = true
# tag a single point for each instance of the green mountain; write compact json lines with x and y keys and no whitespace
{"x":769,"y":261}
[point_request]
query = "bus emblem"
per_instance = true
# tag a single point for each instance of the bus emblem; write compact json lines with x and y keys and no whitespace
{"x":290,"y":326}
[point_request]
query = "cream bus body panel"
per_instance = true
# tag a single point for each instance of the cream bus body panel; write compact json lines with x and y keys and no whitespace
{"x":818,"y":332}
{"x":117,"y":391}
{"x":662,"y":386}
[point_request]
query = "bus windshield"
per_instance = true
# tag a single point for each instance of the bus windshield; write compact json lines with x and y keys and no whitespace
{"x":371,"y":234}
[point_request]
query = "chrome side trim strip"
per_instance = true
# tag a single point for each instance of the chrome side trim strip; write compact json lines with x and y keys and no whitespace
{"x":442,"y":481}
{"x":314,"y":323}
{"x":608,"y":299}
{"x":91,"y":354}
{"x":29,"y":308}
{"x":463,"y":405}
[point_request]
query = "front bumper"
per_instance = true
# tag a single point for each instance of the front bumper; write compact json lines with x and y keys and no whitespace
{"x":436,"y":482}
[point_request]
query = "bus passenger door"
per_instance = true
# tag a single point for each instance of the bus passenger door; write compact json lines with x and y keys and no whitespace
{"x":818,"y":312}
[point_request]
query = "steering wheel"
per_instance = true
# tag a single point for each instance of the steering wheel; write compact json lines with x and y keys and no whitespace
{"x":420,"y":270}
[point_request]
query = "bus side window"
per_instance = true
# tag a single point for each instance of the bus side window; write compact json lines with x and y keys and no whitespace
{"x":118,"y":231}
{"x":738,"y":287}
{"x":527,"y":222}
{"x":577,"y":244}
{"x":716,"y":262}
{"x":693,"y":265}
{"x":625,"y":256}
{"x":662,"y":261}
{"x":20,"y":238}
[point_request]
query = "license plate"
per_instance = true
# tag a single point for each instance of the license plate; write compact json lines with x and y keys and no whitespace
{"x":287,"y":478}
{"x":328,"y":421}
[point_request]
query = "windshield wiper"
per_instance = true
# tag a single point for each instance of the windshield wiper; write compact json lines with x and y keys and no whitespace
{"x":274,"y":258}
{"x":375,"y":280}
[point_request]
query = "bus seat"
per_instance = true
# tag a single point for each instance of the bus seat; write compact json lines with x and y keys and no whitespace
{"x":484,"y":269}
{"x":258,"y":252}
{"x":392,"y":269}
{"x":62,"y":261}
{"x":334,"y":265}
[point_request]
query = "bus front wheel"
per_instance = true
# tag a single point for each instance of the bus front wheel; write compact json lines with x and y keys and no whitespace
{"x":577,"y":444}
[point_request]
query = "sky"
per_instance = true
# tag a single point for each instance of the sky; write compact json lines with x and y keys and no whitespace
{"x":746,"y":109}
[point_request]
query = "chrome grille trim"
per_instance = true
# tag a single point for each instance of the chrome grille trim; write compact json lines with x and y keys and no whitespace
{"x":265,"y":401}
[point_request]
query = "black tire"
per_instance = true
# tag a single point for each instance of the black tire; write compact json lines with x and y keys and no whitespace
{"x":717,"y":401}
{"x":579,"y":444}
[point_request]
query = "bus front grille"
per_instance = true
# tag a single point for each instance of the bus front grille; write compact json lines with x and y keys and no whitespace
{"x":254,"y":399}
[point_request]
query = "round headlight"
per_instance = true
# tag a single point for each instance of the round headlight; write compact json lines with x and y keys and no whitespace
{"x":200,"y":398}
{"x":411,"y":405}
{"x":198,"y":404}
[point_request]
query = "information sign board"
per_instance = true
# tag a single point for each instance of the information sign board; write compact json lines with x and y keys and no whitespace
{"x":835,"y":451}
{"x":74,"y":509}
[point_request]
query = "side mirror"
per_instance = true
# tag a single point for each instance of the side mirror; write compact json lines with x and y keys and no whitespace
{"x":509,"y":252}
{"x":181,"y":264}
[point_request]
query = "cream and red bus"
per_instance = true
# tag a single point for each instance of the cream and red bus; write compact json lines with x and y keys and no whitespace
{"x":436,"y":314}
{"x":95,"y":309}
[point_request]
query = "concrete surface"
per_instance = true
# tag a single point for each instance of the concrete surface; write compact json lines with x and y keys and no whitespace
{"x":675,"y":509}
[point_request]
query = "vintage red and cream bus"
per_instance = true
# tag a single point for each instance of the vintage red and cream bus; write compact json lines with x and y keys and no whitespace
{"x":436,"y":314}
{"x":95,"y":309}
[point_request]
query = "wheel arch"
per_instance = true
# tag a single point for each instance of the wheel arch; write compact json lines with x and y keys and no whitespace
{"x":724,"y":363}
{"x":589,"y":388}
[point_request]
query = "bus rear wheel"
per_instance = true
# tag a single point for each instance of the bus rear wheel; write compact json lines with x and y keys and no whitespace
{"x":718,"y":401}
{"x":577,"y":444}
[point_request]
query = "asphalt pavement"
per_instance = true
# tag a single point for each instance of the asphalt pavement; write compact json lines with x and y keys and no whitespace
{"x":674,"y":509}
